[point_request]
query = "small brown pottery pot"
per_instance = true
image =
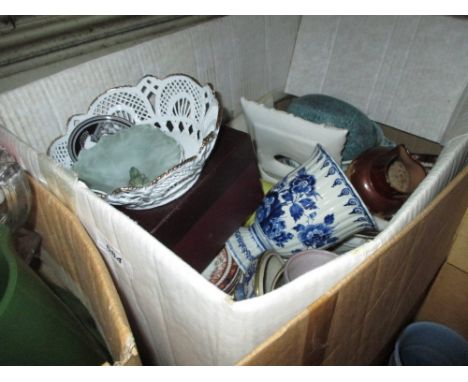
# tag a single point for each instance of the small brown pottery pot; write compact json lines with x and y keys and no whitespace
{"x":385,"y":177}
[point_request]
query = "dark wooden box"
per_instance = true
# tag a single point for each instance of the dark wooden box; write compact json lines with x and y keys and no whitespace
{"x":196,"y":225}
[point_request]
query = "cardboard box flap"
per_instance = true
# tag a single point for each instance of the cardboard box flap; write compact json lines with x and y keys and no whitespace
{"x":75,"y":264}
{"x":410,"y":72}
{"x":359,"y":318}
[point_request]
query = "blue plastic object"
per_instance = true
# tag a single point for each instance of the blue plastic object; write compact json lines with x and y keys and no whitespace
{"x":322,"y":109}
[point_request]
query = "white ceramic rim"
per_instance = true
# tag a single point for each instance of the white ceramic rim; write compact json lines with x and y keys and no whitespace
{"x":310,"y":252}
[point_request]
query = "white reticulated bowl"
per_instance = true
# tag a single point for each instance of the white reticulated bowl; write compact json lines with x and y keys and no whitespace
{"x":177,"y":105}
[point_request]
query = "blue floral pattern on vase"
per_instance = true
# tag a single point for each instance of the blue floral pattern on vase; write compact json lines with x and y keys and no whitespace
{"x":318,"y":235}
{"x":298,"y":198}
{"x":314,"y":206}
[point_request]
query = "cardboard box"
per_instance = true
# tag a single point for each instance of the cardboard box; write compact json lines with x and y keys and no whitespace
{"x":358,"y":320}
{"x":447,"y":299}
{"x":71,"y":260}
{"x":178,"y":317}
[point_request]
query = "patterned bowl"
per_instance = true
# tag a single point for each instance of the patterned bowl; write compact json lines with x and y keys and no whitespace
{"x":177,"y":105}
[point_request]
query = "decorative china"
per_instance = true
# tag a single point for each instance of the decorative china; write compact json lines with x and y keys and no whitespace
{"x":65,"y":150}
{"x":357,"y":239}
{"x":273,"y":270}
{"x":223,"y":272}
{"x":176,"y":105}
{"x":269,"y":272}
{"x":385,"y":177}
{"x":322,"y":109}
{"x":315,"y":206}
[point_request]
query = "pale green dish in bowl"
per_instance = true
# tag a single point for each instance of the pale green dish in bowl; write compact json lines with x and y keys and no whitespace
{"x":132,"y":157}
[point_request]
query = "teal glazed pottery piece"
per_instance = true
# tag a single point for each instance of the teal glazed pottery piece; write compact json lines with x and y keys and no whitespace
{"x":322,"y":109}
{"x":130,"y":158}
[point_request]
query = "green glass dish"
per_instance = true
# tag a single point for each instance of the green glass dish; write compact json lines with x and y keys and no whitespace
{"x":132,"y":157}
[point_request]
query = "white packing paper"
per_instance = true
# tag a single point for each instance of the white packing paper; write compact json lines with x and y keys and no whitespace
{"x":277,"y":132}
{"x":409,"y":72}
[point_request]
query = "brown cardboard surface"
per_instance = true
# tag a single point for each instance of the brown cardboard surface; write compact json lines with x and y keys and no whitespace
{"x":360,"y":317}
{"x":458,"y":256}
{"x":447,"y":300}
{"x":414,"y":143}
{"x":66,"y":241}
{"x":302,"y":341}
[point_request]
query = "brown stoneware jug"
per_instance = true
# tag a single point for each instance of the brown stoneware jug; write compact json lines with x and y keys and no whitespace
{"x":385,"y":177}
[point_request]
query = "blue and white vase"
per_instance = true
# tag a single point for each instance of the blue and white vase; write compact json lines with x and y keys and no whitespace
{"x":314,"y":206}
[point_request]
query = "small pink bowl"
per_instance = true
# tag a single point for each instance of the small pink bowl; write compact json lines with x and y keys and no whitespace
{"x":306,"y":261}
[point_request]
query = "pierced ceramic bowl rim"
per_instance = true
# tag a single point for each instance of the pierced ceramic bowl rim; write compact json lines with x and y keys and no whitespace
{"x":84,"y":117}
{"x":89,"y":121}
